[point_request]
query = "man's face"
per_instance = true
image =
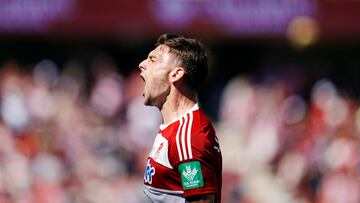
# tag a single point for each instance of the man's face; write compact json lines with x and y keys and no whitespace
{"x":155,"y":73}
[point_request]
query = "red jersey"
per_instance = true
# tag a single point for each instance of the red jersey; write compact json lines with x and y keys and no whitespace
{"x":185,"y":160}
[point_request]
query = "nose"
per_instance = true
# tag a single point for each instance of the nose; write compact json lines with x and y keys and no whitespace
{"x":142,"y":65}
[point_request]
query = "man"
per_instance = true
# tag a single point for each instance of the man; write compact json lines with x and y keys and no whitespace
{"x":185,"y":163}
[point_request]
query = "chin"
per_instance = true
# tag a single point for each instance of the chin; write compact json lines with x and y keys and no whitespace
{"x":153,"y":103}
{"x":147,"y":102}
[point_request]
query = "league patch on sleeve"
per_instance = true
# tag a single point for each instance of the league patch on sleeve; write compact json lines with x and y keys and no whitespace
{"x":191,"y":176}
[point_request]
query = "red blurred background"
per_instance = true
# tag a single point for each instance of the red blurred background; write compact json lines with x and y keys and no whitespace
{"x":146,"y":18}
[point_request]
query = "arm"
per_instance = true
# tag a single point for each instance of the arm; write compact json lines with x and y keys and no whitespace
{"x":209,"y":198}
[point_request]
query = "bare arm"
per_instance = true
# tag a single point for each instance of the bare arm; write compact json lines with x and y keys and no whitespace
{"x":210,"y":198}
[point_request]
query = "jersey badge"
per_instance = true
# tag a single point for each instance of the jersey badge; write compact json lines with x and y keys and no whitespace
{"x":191,"y":175}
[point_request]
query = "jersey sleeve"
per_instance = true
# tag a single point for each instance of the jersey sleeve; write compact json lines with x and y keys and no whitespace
{"x":198,"y":161}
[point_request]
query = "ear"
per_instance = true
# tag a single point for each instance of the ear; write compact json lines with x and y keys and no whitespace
{"x":176,"y":74}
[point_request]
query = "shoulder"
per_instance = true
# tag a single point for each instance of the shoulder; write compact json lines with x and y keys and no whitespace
{"x":202,"y":127}
{"x":192,"y":137}
{"x":202,"y":135}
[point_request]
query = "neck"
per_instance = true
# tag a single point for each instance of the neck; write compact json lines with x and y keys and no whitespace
{"x":176,"y":105}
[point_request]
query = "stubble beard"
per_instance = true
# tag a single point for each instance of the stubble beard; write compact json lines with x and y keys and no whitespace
{"x":156,"y":101}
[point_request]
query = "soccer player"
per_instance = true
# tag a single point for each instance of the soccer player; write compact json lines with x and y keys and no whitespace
{"x":185,"y":163}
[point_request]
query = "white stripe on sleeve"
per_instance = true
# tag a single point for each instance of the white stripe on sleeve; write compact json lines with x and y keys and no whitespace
{"x":178,"y":141}
{"x":189,"y":135}
{"x":183,"y":134}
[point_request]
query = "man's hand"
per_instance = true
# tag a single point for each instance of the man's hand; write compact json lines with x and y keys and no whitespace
{"x":210,"y":198}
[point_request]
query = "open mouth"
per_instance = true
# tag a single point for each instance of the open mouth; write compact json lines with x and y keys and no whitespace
{"x":143,"y":93}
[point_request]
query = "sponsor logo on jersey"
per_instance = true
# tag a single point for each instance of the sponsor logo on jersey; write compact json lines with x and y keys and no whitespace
{"x":217,"y":145}
{"x":191,"y":175}
{"x":149,"y":172}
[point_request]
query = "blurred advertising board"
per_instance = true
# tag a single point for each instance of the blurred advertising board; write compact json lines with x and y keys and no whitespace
{"x":148,"y":18}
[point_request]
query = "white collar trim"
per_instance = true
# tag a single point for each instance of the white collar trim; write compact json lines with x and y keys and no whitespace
{"x":194,"y":108}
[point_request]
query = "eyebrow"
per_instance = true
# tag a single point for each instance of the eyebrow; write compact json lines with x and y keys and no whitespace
{"x":152,"y":57}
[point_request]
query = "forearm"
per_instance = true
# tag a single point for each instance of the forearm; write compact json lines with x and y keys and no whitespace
{"x":210,"y":198}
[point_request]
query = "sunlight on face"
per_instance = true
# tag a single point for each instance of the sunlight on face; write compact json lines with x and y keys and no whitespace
{"x":155,"y":72}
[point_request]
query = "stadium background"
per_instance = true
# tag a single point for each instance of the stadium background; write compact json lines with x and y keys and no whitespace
{"x":283,"y":92}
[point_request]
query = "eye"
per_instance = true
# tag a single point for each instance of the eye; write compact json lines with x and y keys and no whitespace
{"x":152,"y":59}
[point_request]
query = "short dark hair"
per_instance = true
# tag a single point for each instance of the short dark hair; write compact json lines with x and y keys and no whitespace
{"x":193,"y":57}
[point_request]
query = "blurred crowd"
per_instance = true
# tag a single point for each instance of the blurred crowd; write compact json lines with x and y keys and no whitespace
{"x":69,"y":137}
{"x":279,"y":147}
{"x":81,"y":134}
